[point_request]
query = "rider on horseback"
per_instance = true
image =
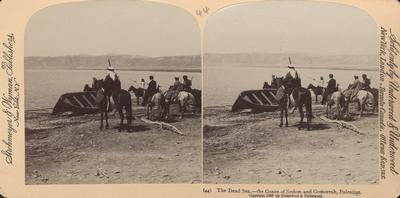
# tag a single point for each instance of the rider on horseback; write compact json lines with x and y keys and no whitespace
{"x":353,"y":89}
{"x":177,"y":87}
{"x":366,"y":83}
{"x":329,"y":89}
{"x":150,"y":91}
{"x":187,"y":84}
{"x":292,"y":81}
{"x":112,"y":86}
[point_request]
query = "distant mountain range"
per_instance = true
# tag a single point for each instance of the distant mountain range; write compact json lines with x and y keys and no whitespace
{"x":193,"y":62}
{"x":120,"y":62}
{"x":366,"y":62}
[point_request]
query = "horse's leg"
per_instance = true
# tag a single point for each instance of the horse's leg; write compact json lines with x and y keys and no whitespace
{"x":101,"y":119}
{"x":148,"y":111}
{"x":309,"y":115}
{"x":121,"y":116}
{"x":182,"y":107}
{"x":300,"y":106}
{"x":316,"y":98}
{"x":280,"y":125}
{"x":128,"y":110}
{"x":337,"y":111}
{"x":362,"y":106}
{"x":137,"y":100}
{"x":327,"y":112}
{"x":286,"y":110}
{"x":160,"y":112}
{"x":106,"y":115}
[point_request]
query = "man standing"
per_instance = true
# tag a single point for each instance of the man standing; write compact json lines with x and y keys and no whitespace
{"x":151,"y":90}
{"x":330,"y":88}
{"x":187,"y":84}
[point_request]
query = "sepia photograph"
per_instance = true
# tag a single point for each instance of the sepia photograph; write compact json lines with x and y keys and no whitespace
{"x":291,"y":94}
{"x":112,"y":94}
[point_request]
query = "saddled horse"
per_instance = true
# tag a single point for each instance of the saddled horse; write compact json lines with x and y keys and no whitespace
{"x":158,"y":101}
{"x":139,"y":92}
{"x":318,"y":90}
{"x":336,"y":99}
{"x":290,"y":89}
{"x":362,"y":98}
{"x":122,"y":101}
{"x":185,"y":100}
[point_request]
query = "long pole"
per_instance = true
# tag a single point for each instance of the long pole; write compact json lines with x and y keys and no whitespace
{"x":109,"y":63}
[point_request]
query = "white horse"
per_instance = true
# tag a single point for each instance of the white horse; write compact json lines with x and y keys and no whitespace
{"x":158,"y":101}
{"x":362,"y":98}
{"x":186,"y":102}
{"x":336,"y":99}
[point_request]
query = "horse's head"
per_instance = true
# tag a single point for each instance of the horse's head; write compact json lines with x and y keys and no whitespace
{"x":310,"y":86}
{"x":132,"y":88}
{"x":86,"y":87}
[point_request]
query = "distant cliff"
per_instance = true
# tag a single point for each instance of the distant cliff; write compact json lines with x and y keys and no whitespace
{"x":367,"y":62}
{"x":120,"y":62}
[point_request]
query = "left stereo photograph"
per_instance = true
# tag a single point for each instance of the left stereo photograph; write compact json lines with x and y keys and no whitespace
{"x":112,"y":94}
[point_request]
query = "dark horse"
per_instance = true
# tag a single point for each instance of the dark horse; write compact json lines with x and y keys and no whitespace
{"x":122,"y":100}
{"x":139,"y":92}
{"x":318,"y":90}
{"x":289,"y":88}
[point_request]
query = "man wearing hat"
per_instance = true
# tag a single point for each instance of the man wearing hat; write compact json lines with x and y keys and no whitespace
{"x":112,"y":86}
{"x":366,"y":82}
{"x":177,"y":87}
{"x":353,"y":88}
{"x":273,"y":82}
{"x":187,"y":84}
{"x":150,"y":91}
{"x":330,"y":88}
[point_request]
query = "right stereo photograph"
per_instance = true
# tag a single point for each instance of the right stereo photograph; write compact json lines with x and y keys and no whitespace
{"x":290,"y":94}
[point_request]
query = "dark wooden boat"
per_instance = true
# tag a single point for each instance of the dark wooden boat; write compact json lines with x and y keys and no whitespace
{"x":77,"y":103}
{"x":258,"y":100}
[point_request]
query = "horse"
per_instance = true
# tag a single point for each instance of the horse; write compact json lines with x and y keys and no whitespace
{"x":122,"y":101}
{"x":338,"y":100}
{"x":184,"y":99}
{"x":290,"y":89}
{"x":318,"y":90}
{"x":157,"y":100}
{"x":139,"y":92}
{"x":362,"y":98}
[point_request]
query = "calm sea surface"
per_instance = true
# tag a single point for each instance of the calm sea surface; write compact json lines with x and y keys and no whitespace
{"x":222,"y":85}
{"x":44,"y":87}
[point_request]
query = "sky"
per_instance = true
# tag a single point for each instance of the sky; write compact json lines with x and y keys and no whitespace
{"x":112,"y":27}
{"x":289,"y":26}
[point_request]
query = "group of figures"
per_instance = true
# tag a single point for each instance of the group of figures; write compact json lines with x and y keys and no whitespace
{"x":111,"y":97}
{"x":291,"y":94}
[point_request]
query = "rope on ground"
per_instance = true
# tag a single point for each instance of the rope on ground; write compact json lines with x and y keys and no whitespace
{"x":343,"y":124}
{"x":163,"y":125}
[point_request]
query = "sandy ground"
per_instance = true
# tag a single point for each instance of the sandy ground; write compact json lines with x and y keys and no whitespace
{"x":66,"y":149}
{"x":252,"y":148}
